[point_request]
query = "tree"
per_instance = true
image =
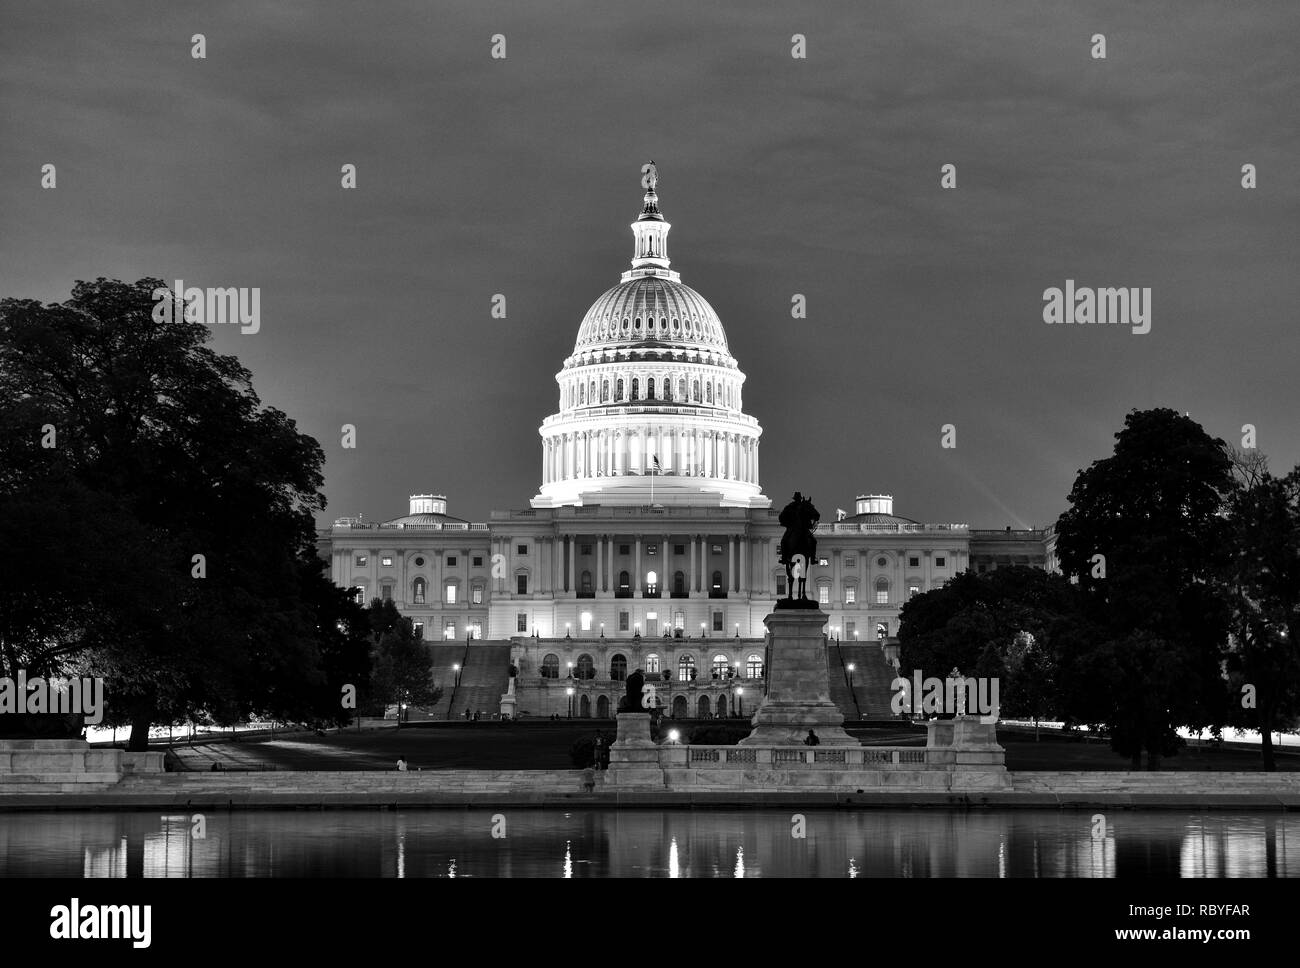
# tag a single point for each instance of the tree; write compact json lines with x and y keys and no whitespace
{"x":1260,"y":581}
{"x":1007,"y":624}
{"x":191,"y":528}
{"x":402,"y":665}
{"x":1144,"y":536}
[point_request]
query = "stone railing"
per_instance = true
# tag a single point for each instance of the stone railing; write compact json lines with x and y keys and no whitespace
{"x":786,"y":757}
{"x":437,"y":526}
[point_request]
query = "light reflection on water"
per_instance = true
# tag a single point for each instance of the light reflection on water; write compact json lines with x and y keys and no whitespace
{"x":647,"y":843}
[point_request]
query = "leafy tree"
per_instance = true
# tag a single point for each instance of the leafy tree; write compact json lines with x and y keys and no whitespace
{"x":1153,"y":512}
{"x":163,"y":452}
{"x":402,"y":665}
{"x":1260,"y":582}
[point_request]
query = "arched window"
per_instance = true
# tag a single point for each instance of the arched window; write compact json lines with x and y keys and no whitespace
{"x":636,"y":384}
{"x":624,"y":581}
{"x":586,"y":583}
{"x":717,"y":581}
{"x":754,"y":666}
{"x":652,"y":664}
{"x":882,"y":591}
{"x":584,"y":706}
{"x":722,"y":707}
{"x":718,"y":668}
{"x":619,"y":394}
{"x":651,"y":583}
{"x":679,"y":707}
{"x":586,"y":668}
{"x":685,"y":668}
{"x":618,"y":667}
{"x":695,"y":391}
{"x":882,"y":630}
{"x":602,"y":707}
{"x":359,"y":594}
{"x":703,"y":708}
{"x":591,"y":394}
{"x":681,"y":389}
{"x":604,"y":391}
{"x":708,"y":392}
{"x":679,"y":583}
{"x":551,"y":666}
{"x":417,"y":591}
{"x":582,"y":393}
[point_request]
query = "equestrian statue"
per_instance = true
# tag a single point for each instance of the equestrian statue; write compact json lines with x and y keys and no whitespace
{"x":798,"y":549}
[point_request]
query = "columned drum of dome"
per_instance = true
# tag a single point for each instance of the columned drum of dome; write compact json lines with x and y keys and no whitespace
{"x":650,"y":408}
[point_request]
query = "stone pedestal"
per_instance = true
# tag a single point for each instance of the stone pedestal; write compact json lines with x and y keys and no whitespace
{"x":798,"y":688}
{"x":969,"y":749}
{"x":633,"y":756}
{"x":509,"y":701}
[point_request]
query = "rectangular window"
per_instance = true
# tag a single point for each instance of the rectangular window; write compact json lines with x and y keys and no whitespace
{"x":679,"y":549}
{"x":521,"y":584}
{"x":780,"y":588}
{"x":717,"y":549}
{"x":823,"y":594}
{"x":717,"y":621}
{"x":386,"y":561}
{"x":478,"y":561}
{"x":584,"y":549}
{"x":913,"y":562}
{"x":449,"y":630}
{"x":940,"y":562}
{"x":850,"y":595}
{"x":882,"y":596}
{"x":361,"y":561}
{"x":850,"y":561}
{"x":451,"y":561}
{"x":850,"y":630}
{"x":521,"y":549}
{"x":451,"y":595}
{"x":913,"y":591}
{"x":823,"y":562}
{"x":624,"y":549}
{"x":521,"y":621}
{"x":477,"y":595}
{"x":418,"y":629}
{"x":623,"y":618}
{"x":386,"y":592}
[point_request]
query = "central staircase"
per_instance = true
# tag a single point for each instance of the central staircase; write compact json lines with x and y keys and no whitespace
{"x":869,"y":696}
{"x":484,"y":676}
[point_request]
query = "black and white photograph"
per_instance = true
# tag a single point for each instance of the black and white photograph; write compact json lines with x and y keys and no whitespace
{"x":455,"y":440}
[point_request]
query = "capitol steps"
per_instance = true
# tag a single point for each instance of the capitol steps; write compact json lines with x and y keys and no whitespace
{"x":484,"y":676}
{"x":871,"y":678}
{"x":446,"y":656}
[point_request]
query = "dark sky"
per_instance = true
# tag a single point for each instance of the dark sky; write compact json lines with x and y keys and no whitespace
{"x":817,"y":176}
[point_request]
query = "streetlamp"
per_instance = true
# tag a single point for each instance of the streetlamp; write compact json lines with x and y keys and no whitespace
{"x":737,"y":630}
{"x":636,"y":630}
{"x":851,"y":668}
{"x":566,"y":632}
{"x":602,"y":630}
{"x":740,"y":699}
{"x":570,"y":675}
{"x":702,"y":635}
{"x":570,"y":692}
{"x":456,"y":670}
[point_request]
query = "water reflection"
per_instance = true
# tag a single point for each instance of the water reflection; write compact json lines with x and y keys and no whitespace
{"x":754,"y":843}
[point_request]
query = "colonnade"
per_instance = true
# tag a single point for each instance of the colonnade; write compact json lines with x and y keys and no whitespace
{"x":614,"y":453}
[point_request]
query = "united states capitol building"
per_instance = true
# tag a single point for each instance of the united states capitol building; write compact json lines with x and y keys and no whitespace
{"x":650,"y":543}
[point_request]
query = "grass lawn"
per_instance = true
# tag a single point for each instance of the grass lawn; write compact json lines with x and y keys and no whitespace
{"x":545,"y":746}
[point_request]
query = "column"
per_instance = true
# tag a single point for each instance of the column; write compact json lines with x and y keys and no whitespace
{"x":666,"y":584}
{"x":609,"y":566}
{"x":755,"y":478}
{"x":692,"y":582}
{"x":600,"y":563}
{"x":746,"y":549}
{"x":636,"y":579}
{"x":570,"y":547}
{"x":733,"y":576}
{"x":557,"y":564}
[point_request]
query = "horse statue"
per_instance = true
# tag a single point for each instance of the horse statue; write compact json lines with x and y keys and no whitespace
{"x":798,"y":548}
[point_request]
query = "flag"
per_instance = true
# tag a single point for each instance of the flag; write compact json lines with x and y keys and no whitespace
{"x":657,"y":465}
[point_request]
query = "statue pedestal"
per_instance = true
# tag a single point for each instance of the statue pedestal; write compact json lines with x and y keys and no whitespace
{"x":798,"y":689}
{"x":633,"y":756}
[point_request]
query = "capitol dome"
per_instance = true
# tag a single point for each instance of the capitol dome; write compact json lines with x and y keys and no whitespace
{"x":650,"y":399}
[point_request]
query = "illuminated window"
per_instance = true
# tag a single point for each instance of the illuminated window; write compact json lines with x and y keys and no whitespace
{"x":882,"y":591}
{"x":584,"y":621}
{"x":417,"y":629}
{"x":361,"y":561}
{"x":823,"y":594}
{"x":850,"y":595}
{"x":652,"y":664}
{"x":685,"y":668}
{"x":651,"y":583}
{"x":418,"y":591}
{"x":476,"y":595}
{"x":386,"y":561}
{"x":754,"y":667}
{"x":521,"y":621}
{"x":386,"y":592}
{"x":450,"y":598}
{"x":718,"y":668}
{"x":913,"y":591}
{"x":449,"y":630}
